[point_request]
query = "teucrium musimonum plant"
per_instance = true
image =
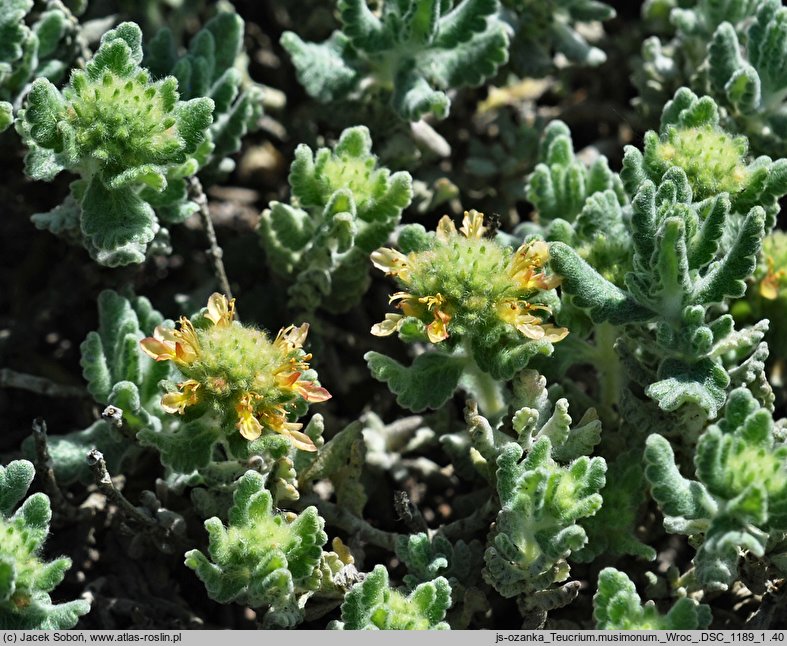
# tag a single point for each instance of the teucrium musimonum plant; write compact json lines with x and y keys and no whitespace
{"x":211,"y":68}
{"x":343,"y":207}
{"x":263,"y":558}
{"x":734,"y":51}
{"x":411,"y":54}
{"x":738,"y":501}
{"x":427,"y":558}
{"x":680,"y":273}
{"x":579,"y":203}
{"x":126,"y":136}
{"x":373,"y":605}
{"x":536,"y":529}
{"x":751,"y":81}
{"x":239,"y":389}
{"x":25,"y":579}
{"x":483,"y":305}
{"x":44,"y":48}
{"x":617,"y":606}
{"x":715,"y":161}
{"x":560,"y":184}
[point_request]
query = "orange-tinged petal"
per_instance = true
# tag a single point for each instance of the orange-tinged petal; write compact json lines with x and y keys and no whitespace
{"x":388,"y":326}
{"x":473,"y":225}
{"x":220,"y":311}
{"x":288,"y":379}
{"x":445,"y":229}
{"x":185,"y":353}
{"x":311,"y":392}
{"x":301,"y":441}
{"x":437,"y":330}
{"x":275,"y":419}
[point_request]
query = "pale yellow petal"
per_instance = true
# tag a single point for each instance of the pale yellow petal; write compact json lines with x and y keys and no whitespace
{"x":176,"y":402}
{"x":311,"y":392}
{"x":342,"y":551}
{"x":445,"y":229}
{"x":388,"y":326}
{"x":554,"y":333}
{"x":531,"y":330}
{"x":392,"y":262}
{"x":301,"y":441}
{"x":249,"y":426}
{"x":769,"y":287}
{"x":157,"y":350}
{"x":220,"y":311}
{"x":291,"y":337}
{"x":473,"y":225}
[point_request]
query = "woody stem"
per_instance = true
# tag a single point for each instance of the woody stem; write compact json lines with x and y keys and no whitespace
{"x":214,"y":251}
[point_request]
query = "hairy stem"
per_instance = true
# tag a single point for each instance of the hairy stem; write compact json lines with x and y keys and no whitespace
{"x":610,"y":370}
{"x":486,"y":391}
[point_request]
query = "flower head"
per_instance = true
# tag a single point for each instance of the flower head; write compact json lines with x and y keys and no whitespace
{"x":465,"y":281}
{"x":238,"y":370}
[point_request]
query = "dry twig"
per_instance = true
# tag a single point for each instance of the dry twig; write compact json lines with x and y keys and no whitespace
{"x":214,"y":251}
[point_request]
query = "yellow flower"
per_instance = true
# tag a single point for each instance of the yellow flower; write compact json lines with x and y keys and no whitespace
{"x":239,"y":368}
{"x":473,"y":225}
{"x":276,"y":420}
{"x":176,"y":402}
{"x":517,"y":313}
{"x":769,"y":286}
{"x":388,"y":326}
{"x":392,"y":262}
{"x":526,"y":264}
{"x":220,"y":312}
{"x":446,"y":229}
{"x":166,"y":344}
{"x":292,"y":338}
{"x":248,"y":424}
{"x":437,"y":330}
{"x":464,"y":279}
